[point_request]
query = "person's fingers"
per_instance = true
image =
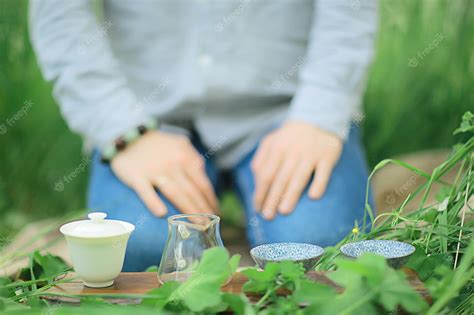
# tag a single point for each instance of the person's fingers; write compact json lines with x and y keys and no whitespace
{"x":295,"y":188}
{"x":321,"y":179}
{"x":199,"y":178}
{"x":200,"y":204}
{"x":260,"y":155}
{"x":278,"y":186}
{"x":264,"y":178}
{"x":173,"y":192}
{"x":149,"y":196}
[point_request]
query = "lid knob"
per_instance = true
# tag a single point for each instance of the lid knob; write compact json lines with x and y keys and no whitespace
{"x":97,"y":216}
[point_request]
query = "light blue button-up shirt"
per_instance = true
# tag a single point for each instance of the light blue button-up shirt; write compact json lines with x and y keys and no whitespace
{"x":230,"y":69}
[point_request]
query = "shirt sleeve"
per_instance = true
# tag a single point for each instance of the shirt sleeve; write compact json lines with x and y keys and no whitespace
{"x":333,"y":76}
{"x":73,"y":52}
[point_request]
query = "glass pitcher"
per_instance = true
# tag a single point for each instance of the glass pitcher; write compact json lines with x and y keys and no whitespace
{"x":188,"y":236}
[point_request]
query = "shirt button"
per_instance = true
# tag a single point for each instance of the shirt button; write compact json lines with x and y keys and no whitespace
{"x":204,"y":60}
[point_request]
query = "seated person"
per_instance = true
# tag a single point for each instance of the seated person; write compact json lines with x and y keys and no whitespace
{"x":169,"y":94}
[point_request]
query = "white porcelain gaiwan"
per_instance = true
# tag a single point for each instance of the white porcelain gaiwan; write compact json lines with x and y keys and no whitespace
{"x":97,"y":248}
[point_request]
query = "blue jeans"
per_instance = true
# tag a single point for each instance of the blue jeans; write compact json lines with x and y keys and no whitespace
{"x":323,"y":222}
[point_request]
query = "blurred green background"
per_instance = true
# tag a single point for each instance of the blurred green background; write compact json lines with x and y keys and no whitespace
{"x":421,"y":82}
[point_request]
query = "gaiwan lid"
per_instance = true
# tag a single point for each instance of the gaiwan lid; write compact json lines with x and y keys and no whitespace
{"x":96,"y":227}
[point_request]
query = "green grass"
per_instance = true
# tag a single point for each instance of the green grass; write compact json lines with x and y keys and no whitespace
{"x":414,"y":108}
{"x":407,"y":108}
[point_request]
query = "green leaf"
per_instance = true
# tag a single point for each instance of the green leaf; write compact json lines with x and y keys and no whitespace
{"x":202,"y":289}
{"x":467,"y":124}
{"x":239,"y":304}
{"x":260,"y":281}
{"x":350,"y":272}
{"x":430,"y":215}
{"x":234,"y":263}
{"x":425,"y":265}
{"x":356,"y":302}
{"x":35,"y":302}
{"x":284,"y":305}
{"x":291,"y":271}
{"x":161,"y":295}
{"x":6,"y":292}
{"x":152,"y":268}
{"x":50,"y":265}
{"x":379,"y":284}
{"x":395,"y":291}
{"x":311,"y":292}
{"x":201,"y":292}
{"x":9,"y":305}
{"x":451,"y":282}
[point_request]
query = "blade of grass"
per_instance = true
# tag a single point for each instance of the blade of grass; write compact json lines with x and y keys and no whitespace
{"x":462,"y":219}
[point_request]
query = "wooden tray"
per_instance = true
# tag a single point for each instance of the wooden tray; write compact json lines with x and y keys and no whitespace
{"x":138,"y":283}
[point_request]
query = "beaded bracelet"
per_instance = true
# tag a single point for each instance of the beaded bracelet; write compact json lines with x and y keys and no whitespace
{"x":112,"y":149}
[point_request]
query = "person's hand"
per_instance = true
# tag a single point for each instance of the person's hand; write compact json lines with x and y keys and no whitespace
{"x":171,"y":164}
{"x":284,"y":163}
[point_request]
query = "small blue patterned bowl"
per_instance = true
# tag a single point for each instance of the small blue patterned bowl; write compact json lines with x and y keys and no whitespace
{"x":306,"y":254}
{"x":395,"y":252}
